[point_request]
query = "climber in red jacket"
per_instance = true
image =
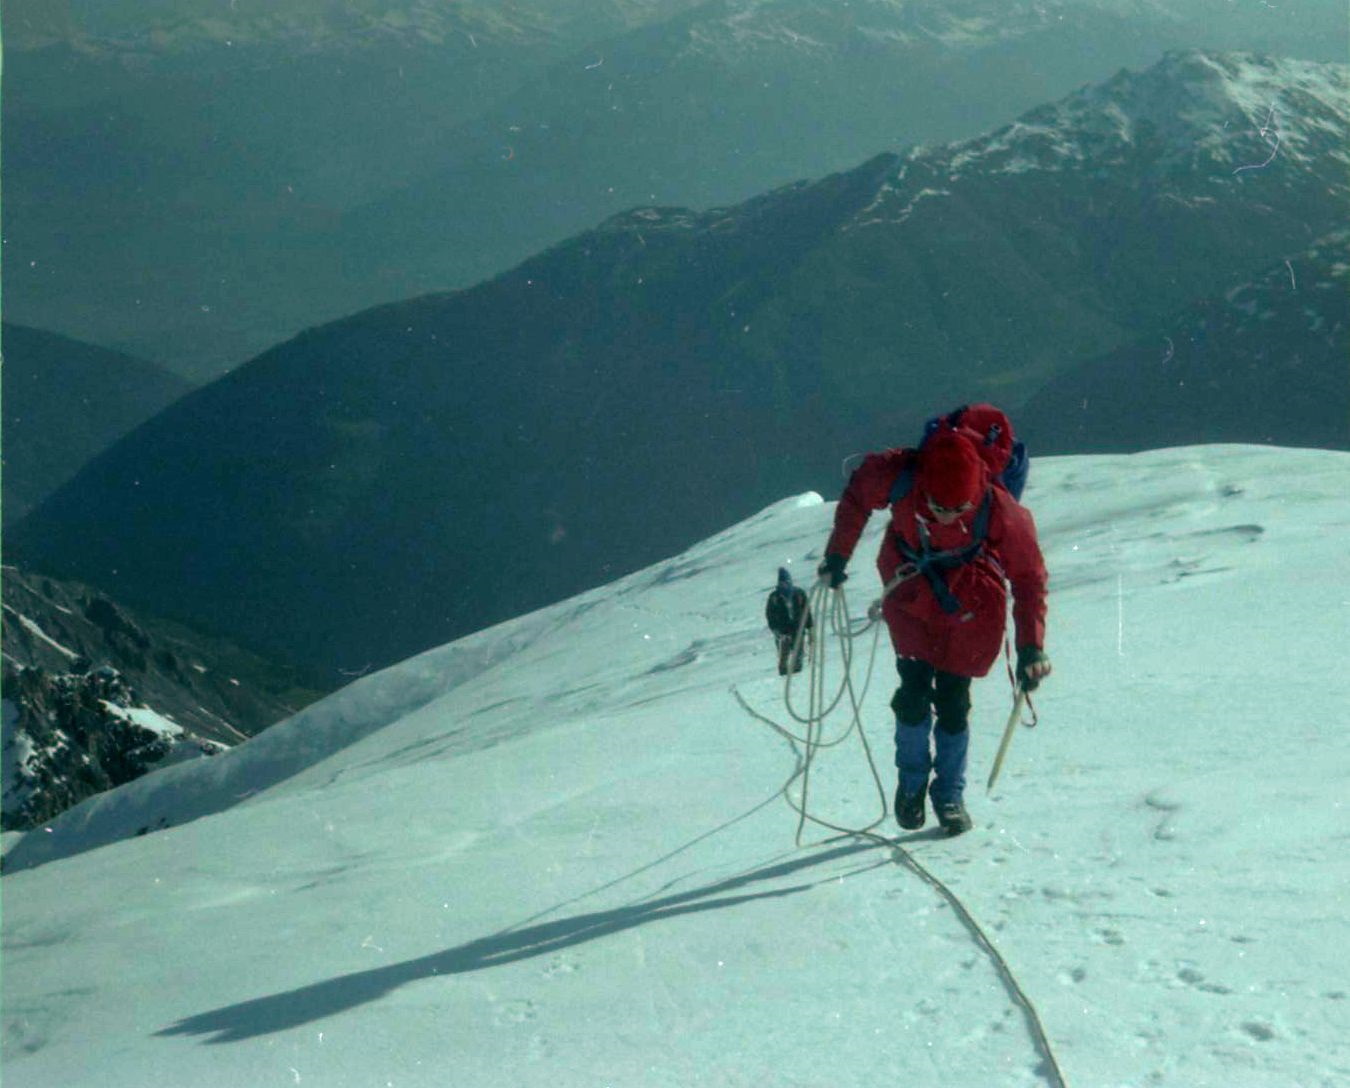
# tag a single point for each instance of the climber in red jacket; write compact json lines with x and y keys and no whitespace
{"x":955,"y":538}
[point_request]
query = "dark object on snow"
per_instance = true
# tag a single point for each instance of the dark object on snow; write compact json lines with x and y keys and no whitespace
{"x":783,"y":611}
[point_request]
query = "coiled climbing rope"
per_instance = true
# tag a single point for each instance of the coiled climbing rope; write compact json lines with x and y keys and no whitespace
{"x":830,"y":609}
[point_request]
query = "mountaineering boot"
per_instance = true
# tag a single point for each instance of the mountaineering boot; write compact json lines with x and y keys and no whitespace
{"x":914,"y":761}
{"x":949,"y":779}
{"x":952,"y":816}
{"x":909,"y":808}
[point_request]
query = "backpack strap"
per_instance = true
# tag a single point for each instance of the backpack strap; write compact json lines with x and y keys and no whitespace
{"x":904,"y":479}
{"x":933,"y":565}
{"x":904,"y":484}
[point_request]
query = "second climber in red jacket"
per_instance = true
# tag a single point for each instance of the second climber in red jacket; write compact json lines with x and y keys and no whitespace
{"x":955,"y":540}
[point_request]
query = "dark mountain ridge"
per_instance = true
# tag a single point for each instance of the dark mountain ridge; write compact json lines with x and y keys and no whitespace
{"x":426,"y":468}
{"x":1267,"y":361}
{"x":64,"y":402}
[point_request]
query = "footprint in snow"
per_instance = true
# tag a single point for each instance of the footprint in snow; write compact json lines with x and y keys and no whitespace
{"x":1247,"y":533}
{"x":1189,"y":975}
{"x":564,"y":964}
{"x":1258,"y":1031}
{"x":515,"y":1012}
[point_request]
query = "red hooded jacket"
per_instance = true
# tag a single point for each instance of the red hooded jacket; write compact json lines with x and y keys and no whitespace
{"x":965,"y":642}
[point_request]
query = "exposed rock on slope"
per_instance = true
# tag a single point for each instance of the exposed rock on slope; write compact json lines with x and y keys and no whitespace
{"x":72,"y":735}
{"x":95,"y":695}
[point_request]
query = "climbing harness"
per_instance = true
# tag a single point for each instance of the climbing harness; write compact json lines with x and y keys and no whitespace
{"x":806,"y":747}
{"x":934,"y":565}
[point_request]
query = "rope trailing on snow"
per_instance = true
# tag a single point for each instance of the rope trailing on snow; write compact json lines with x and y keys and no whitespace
{"x":830,"y":611}
{"x":1052,"y":1071}
{"x":814,"y":719}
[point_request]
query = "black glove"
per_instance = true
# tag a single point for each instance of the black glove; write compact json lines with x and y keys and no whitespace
{"x":833,"y":569}
{"x":1027,"y":658}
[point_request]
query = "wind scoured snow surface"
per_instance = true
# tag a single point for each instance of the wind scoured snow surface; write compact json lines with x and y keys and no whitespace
{"x":554,"y":853}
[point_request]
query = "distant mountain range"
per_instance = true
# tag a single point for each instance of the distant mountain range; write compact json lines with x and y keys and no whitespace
{"x":175,"y":169}
{"x":734,"y":97}
{"x":64,"y":402}
{"x":171,"y":31}
{"x":196,"y":181}
{"x":628,"y":391}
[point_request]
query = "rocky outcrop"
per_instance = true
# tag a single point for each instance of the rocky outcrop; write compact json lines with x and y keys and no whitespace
{"x":96,"y":695}
{"x":204,"y":683}
{"x":68,"y":736}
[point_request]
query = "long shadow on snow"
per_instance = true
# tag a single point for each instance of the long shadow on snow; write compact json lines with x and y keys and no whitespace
{"x":277,"y":1012}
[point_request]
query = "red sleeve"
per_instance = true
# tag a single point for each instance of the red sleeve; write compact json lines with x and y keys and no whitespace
{"x":1018,"y":550}
{"x":869,"y":488}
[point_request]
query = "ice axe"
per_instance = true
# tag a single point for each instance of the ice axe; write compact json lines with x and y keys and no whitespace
{"x":1008,"y":730}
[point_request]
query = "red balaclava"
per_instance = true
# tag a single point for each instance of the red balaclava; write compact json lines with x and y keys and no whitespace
{"x":951,"y":470}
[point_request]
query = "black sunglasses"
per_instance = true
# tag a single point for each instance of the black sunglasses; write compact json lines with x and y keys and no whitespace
{"x":942,"y":511}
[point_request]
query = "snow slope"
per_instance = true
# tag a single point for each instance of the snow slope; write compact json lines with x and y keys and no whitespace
{"x":554,"y":853}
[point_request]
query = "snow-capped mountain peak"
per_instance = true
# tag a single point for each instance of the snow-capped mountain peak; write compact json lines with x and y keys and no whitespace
{"x":1230,"y":112}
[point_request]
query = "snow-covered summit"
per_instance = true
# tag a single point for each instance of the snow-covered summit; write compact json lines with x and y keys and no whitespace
{"x":1228,"y":111}
{"x":1194,"y":119}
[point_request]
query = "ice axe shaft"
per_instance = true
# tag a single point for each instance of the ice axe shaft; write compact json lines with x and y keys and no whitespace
{"x":1008,"y":732}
